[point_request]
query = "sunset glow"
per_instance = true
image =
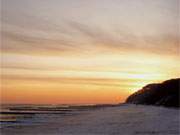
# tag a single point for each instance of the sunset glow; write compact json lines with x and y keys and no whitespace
{"x":86,"y":52}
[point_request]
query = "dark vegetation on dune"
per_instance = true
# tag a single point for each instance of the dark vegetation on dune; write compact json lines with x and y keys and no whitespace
{"x":160,"y":94}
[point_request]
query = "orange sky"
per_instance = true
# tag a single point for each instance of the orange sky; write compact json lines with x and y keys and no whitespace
{"x":86,"y":52}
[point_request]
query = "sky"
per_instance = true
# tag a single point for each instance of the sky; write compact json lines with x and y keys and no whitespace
{"x":86,"y":51}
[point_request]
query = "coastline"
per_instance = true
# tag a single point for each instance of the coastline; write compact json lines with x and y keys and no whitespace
{"x":127,"y":118}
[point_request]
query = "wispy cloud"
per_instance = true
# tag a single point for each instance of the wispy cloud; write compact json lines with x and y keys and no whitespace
{"x":81,"y":37}
{"x":86,"y":45}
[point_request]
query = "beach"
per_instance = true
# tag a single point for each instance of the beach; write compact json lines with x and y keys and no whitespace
{"x":125,"y":119}
{"x":90,"y":67}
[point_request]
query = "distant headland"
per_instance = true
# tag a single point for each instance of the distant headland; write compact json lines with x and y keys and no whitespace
{"x":160,"y":94}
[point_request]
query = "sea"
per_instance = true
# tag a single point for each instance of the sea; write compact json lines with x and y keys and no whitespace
{"x":30,"y":114}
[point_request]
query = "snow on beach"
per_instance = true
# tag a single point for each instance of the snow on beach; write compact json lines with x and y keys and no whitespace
{"x":125,"y":119}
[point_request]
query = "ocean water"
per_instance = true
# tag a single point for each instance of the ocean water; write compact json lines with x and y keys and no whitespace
{"x":23,"y":114}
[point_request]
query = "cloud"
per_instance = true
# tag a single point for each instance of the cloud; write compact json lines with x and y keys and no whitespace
{"x":104,"y":82}
{"x":30,"y":34}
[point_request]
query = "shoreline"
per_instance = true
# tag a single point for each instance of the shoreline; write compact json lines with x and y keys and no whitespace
{"x":128,"y":119}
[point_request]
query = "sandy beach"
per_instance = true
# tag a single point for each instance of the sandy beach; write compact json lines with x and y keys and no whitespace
{"x":120,"y":120}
